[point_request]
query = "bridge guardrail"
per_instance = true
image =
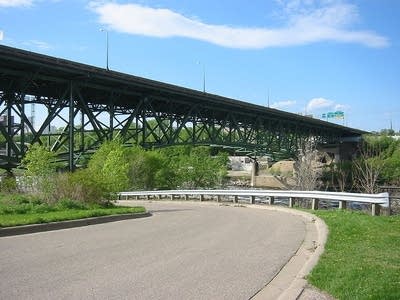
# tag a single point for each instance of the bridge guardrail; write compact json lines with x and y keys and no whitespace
{"x":376,"y":200}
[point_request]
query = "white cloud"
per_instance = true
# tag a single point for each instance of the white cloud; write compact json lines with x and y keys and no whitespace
{"x":283,"y":104}
{"x":319,"y":103}
{"x":342,"y":107}
{"x":326,"y":22}
{"x":316,"y":104}
{"x":15,"y":3}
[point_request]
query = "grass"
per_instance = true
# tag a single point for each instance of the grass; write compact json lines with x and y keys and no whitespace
{"x":361,"y":258}
{"x":23,"y":210}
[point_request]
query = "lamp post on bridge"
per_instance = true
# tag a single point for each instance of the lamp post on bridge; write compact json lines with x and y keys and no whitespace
{"x":107,"y":46}
{"x":204,"y":75}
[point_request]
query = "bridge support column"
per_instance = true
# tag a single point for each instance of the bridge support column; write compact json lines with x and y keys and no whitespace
{"x":342,"y":204}
{"x":71,"y":145}
{"x":111,"y":122}
{"x":291,"y":202}
{"x":254,"y":170}
{"x":375,"y":209}
{"x":314,"y":204}
{"x":9,"y":128}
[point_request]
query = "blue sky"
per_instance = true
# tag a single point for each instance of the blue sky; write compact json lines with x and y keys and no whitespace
{"x":310,"y":56}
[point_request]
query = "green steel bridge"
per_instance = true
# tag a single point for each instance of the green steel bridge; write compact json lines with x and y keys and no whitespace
{"x":94,"y":105}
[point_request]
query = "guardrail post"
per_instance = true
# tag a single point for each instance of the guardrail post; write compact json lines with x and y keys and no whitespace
{"x":147,"y":197}
{"x":252,"y":199}
{"x":186,"y":197}
{"x":159,"y":197}
{"x":375,"y":209}
{"x":172,"y":197}
{"x":271,"y":200}
{"x":291,"y":202}
{"x":314,"y":204}
{"x":342,"y":204}
{"x":201,"y":197}
{"x":218,"y":198}
{"x":235,"y":199}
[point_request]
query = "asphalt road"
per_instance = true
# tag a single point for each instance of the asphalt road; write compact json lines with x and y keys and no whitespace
{"x":184,"y":251}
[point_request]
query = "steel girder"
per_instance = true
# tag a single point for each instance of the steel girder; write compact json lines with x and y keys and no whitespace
{"x":91,"y":105}
{"x":87,"y":124}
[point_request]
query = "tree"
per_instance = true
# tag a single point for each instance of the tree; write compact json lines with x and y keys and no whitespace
{"x":337,"y":176}
{"x":306,"y":167}
{"x":115,"y":171}
{"x":40,"y":167}
{"x":342,"y":175}
{"x":145,"y":168}
{"x":194,"y":167}
{"x":109,"y":166}
{"x":391,"y":170}
{"x":368,"y":167}
{"x":39,"y":161}
{"x":200,"y":169}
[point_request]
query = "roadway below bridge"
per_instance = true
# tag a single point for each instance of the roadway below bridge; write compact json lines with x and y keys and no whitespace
{"x":183,"y":251}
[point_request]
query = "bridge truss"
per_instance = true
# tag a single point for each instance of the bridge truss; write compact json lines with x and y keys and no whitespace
{"x":90,"y":105}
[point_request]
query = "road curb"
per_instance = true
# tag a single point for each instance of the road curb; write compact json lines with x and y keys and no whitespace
{"x":26,"y":229}
{"x":290,"y":281}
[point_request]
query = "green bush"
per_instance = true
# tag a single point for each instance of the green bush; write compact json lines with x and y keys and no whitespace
{"x":21,"y":199}
{"x":109,"y":167}
{"x":40,"y":168}
{"x":42,"y":208}
{"x":145,"y":168}
{"x":194,"y":167}
{"x":79,"y":186}
{"x":8,"y":184}
{"x":70,"y":204}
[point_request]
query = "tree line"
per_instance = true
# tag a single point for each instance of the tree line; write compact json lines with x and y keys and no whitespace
{"x":114,"y":168}
{"x":376,"y":163}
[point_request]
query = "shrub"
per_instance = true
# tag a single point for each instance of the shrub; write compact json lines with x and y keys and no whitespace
{"x":8,"y":184}
{"x":144,"y":168}
{"x":40,"y":167}
{"x":70,"y":204}
{"x":108,"y":167}
{"x":79,"y":186}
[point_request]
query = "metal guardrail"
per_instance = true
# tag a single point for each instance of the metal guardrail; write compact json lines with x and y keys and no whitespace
{"x":376,"y":200}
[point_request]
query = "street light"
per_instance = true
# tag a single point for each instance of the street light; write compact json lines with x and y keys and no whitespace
{"x":106,"y":31}
{"x":204,"y":76}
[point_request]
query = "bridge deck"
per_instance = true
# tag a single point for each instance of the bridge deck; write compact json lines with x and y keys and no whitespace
{"x":141,"y":111}
{"x":52,"y":72}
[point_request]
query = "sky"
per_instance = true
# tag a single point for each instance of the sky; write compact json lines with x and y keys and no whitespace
{"x":301,"y":56}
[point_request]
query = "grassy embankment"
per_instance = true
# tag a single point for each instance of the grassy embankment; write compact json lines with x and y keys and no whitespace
{"x":23,"y":210}
{"x":361,"y":258}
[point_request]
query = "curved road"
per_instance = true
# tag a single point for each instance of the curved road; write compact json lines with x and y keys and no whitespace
{"x":184,"y":251}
